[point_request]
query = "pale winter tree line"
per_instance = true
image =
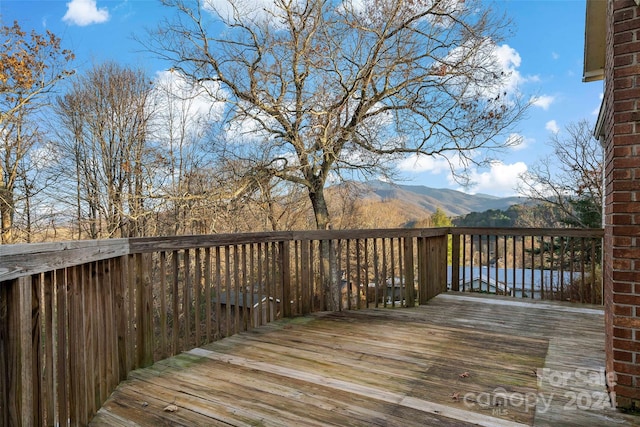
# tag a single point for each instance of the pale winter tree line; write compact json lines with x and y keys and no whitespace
{"x":260,"y":111}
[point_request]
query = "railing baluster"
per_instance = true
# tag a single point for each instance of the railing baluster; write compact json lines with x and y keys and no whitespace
{"x":376,"y":273}
{"x":385,"y":286}
{"x":496,"y":263}
{"x":262,"y":310}
{"x":273,"y":278}
{"x":552,"y":251}
{"x":163,"y":305}
{"x":197,"y":289}
{"x":102,"y":332}
{"x":306,"y":278}
{"x":595,"y":292}
{"x":285,"y":278}
{"x":583,"y":298}
{"x":235,"y":299}
{"x":296,"y":261}
{"x":130,"y":283}
{"x":464,"y":263}
{"x":208,"y":299}
{"x":541,"y":268}
{"x":175,"y":300}
{"x":472,"y":259}
{"x":407,"y":249}
{"x":348,"y":275}
{"x":186,"y":299}
{"x":243,"y":285}
{"x":269,"y":262}
{"x":358,"y":275}
{"x":218,"y":309}
{"x":61,"y":350}
{"x":562,"y":261}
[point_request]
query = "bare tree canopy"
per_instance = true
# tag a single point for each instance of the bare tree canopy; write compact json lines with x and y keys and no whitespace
{"x":30,"y":65}
{"x":104,"y":149}
{"x":314,"y":89}
{"x":571,"y":178}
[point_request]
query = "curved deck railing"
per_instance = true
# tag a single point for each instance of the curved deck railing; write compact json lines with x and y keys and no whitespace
{"x":77,"y":317}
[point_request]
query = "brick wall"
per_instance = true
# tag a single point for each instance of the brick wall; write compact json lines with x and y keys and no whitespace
{"x":622,"y":201}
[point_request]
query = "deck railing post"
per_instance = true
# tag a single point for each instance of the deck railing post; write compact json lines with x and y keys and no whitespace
{"x":436,"y":274}
{"x":410,"y":297}
{"x":455,"y":261}
{"x":442,"y":263}
{"x":285,"y":277}
{"x":144,"y":324}
{"x":120,"y":277}
{"x":16,"y":353}
{"x":305,"y":280}
{"x":422,"y":271}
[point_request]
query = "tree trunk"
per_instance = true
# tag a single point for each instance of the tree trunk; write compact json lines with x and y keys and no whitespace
{"x":331,"y":275}
{"x":6,"y":215}
{"x":320,"y":208}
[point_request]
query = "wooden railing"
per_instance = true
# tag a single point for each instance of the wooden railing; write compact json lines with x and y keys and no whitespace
{"x":77,"y":317}
{"x":552,"y":264}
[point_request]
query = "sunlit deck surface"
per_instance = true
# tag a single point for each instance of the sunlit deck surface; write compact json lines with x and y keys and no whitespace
{"x":461,"y":360}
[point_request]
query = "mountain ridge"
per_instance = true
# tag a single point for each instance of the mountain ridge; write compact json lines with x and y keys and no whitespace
{"x":454,"y":203}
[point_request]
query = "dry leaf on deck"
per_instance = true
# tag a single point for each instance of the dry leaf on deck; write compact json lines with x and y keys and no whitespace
{"x":464,"y":375}
{"x":171,"y":408}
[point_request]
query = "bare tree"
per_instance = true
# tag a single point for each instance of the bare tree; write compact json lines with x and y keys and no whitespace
{"x":570,"y":179}
{"x":180,"y":127}
{"x":105,"y":116}
{"x":30,"y":65}
{"x":315,"y":89}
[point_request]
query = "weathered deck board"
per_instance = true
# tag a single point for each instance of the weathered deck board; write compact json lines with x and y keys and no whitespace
{"x":445,"y":363}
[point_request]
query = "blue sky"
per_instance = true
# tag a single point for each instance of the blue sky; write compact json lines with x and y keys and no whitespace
{"x":545,"y":53}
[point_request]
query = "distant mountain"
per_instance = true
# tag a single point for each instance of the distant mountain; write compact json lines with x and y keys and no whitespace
{"x":426,"y":199}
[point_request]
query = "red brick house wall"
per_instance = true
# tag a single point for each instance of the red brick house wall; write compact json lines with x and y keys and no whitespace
{"x":621,"y":131}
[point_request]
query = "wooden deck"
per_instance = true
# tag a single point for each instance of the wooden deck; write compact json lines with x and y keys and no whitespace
{"x":460,"y":360}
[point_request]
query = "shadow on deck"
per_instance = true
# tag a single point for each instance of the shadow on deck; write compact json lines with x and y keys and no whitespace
{"x":459,"y":360}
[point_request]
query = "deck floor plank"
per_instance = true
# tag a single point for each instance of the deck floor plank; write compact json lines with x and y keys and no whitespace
{"x":305,"y":398}
{"x":459,"y":360}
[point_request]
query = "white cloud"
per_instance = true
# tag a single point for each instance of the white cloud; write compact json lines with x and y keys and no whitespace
{"x":508,"y":60}
{"x":497,"y":179}
{"x":184,"y":109}
{"x":543,"y":101}
{"x":85,"y":12}
{"x":420,"y":163}
{"x":555,"y":55}
{"x":552,"y":126}
{"x":500,"y":180}
{"x":596,"y":111}
{"x":492,"y":69}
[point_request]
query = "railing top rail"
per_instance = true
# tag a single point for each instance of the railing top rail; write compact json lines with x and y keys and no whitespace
{"x":25,"y":259}
{"x":546,"y":232}
{"x":32,"y":258}
{"x":169,"y":243}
